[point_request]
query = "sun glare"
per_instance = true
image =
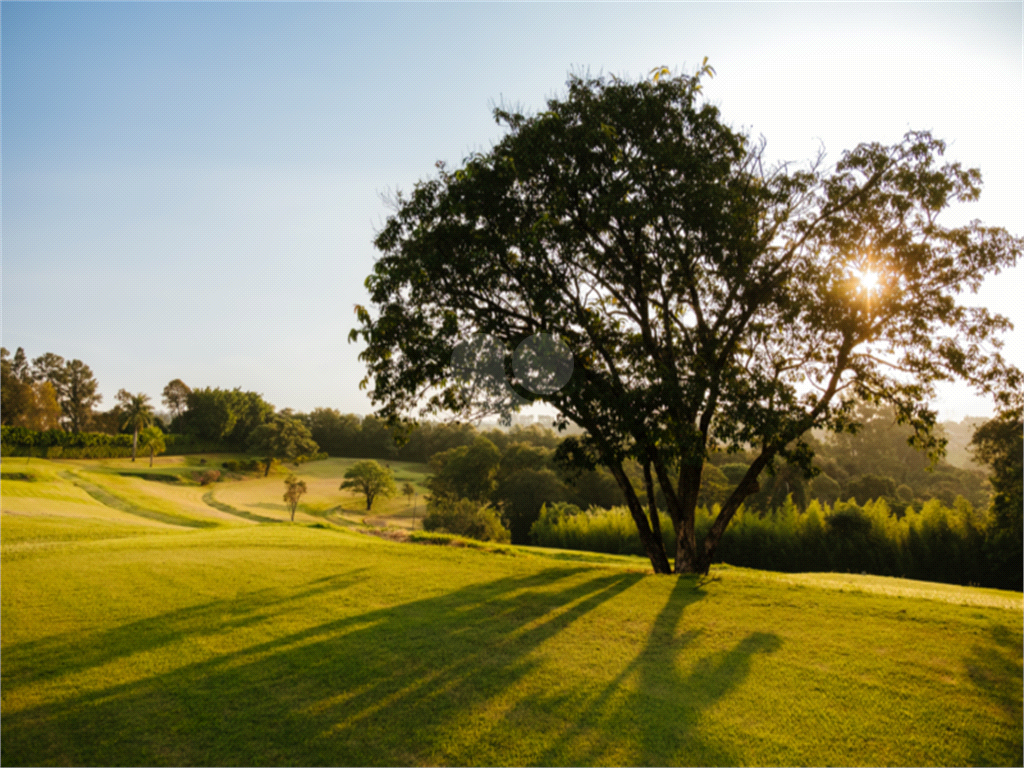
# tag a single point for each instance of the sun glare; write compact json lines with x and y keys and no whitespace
{"x":868,"y":280}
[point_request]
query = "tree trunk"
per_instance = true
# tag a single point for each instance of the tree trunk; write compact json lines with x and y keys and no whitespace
{"x":654,"y":547}
{"x":687,"y":560}
{"x":135,"y":442}
{"x":293,"y":514}
{"x":369,"y":502}
{"x":748,"y":486}
{"x":270,"y":460}
{"x":151,"y":453}
{"x":652,"y":506}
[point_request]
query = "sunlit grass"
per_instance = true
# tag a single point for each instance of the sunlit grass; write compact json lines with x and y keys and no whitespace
{"x":286,"y":644}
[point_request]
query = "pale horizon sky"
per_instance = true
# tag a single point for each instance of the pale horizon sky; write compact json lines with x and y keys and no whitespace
{"x":190,"y":190}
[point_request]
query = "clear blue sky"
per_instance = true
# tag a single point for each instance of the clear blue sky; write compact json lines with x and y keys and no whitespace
{"x":190,"y":190}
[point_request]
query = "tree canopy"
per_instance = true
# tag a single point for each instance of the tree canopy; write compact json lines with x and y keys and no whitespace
{"x":294,"y":490}
{"x":370,"y":479}
{"x":175,"y":397}
{"x":152,"y":439}
{"x":1000,"y":444}
{"x":73,"y":384}
{"x":136,"y":413}
{"x":709,"y":301}
{"x":26,"y":402}
{"x":283,"y":437}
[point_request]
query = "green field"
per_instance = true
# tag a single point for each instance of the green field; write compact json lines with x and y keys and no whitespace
{"x":142,"y":625}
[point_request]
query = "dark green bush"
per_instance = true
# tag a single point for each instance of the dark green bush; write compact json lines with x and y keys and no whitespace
{"x":465,"y":518}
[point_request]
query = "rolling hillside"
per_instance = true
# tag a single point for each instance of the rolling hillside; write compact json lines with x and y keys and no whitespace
{"x":141,"y":625}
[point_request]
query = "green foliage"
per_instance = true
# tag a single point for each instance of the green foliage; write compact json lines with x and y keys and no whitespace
{"x":597,"y":530}
{"x":867,"y":487}
{"x":224,"y":415}
{"x":294,"y":490}
{"x":175,"y":397}
{"x":245,"y":465}
{"x":136,"y":413}
{"x":210,"y":415}
{"x":207,"y":477}
{"x":283,"y":437}
{"x":880,"y":453}
{"x":25,"y":402}
{"x":827,"y":490}
{"x":521,"y":496}
{"x":467,"y":472}
{"x":935,"y":544}
{"x":715,"y":486}
{"x":464,"y":517}
{"x":151,"y":439}
{"x":408,"y":490}
{"x":18,"y":441}
{"x":734,"y":472}
{"x":625,"y":204}
{"x":595,"y":488}
{"x":370,"y":479}
{"x":49,"y":393}
{"x":1000,"y":444}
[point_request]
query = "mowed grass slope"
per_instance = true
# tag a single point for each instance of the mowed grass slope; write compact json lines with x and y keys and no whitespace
{"x":280,"y":644}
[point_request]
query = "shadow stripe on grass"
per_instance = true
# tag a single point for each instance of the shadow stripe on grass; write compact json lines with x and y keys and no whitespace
{"x":212,"y":502}
{"x":105,"y":497}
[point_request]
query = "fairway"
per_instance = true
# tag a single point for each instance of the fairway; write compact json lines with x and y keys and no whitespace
{"x":130,"y":641}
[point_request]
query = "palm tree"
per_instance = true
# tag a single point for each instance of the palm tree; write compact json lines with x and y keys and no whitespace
{"x":137,"y":414}
{"x":152,"y":438}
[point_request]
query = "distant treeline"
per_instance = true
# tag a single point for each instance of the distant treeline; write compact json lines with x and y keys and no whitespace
{"x":954,"y":545}
{"x":56,"y":443}
{"x":368,"y":437}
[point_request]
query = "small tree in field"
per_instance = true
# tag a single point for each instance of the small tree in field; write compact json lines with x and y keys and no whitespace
{"x":410,"y":493}
{"x":370,"y":479}
{"x":295,"y":489}
{"x":152,"y":439}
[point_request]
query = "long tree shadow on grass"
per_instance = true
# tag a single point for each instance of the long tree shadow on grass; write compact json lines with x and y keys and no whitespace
{"x":649,"y":714}
{"x":995,"y":669}
{"x":63,"y":654}
{"x":391,"y":686}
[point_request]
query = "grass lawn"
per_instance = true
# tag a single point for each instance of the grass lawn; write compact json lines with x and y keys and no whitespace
{"x":289,"y":644}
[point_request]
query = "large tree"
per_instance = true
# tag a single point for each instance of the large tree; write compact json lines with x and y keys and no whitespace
{"x":1000,"y":444}
{"x":709,"y":301}
{"x":223,"y":414}
{"x":466,"y":472}
{"x":26,"y":402}
{"x":283,"y":437}
{"x":74,"y":385}
{"x":175,"y":397}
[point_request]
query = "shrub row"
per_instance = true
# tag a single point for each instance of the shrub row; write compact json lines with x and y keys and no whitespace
{"x":18,"y":441}
{"x":937,"y":543}
{"x":18,"y":438}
